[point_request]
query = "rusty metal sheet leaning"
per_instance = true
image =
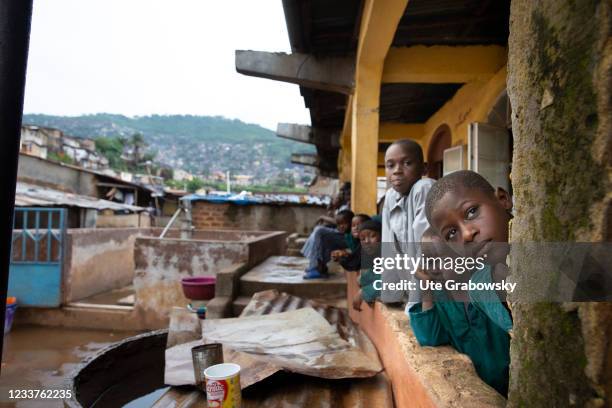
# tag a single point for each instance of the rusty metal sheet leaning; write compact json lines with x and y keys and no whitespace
{"x":300,"y":341}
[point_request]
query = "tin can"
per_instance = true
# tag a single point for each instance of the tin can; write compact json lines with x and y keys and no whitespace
{"x":223,"y":386}
{"x":203,"y":357}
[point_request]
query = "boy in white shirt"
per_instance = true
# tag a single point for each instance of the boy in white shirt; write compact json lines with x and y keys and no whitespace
{"x":403,"y":214}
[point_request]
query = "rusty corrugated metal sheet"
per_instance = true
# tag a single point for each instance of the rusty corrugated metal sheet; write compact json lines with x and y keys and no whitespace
{"x":29,"y":195}
{"x":295,"y":390}
{"x":271,"y":301}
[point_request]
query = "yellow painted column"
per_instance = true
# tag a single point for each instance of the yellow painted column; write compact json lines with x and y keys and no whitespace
{"x":378,"y":25}
{"x":344,"y":159}
{"x":364,"y":141}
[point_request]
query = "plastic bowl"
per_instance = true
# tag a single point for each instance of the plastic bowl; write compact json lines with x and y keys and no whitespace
{"x":199,"y":287}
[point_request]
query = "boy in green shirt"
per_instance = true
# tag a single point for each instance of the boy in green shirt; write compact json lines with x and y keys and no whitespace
{"x":466,"y":212}
{"x":370,"y":233}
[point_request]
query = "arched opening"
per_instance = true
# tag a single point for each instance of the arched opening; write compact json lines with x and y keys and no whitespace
{"x":440,"y":141}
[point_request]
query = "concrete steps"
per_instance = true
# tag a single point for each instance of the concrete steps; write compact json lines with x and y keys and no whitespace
{"x":293,"y":252}
{"x":295,"y":242}
{"x":284,"y":273}
{"x":239,"y":304}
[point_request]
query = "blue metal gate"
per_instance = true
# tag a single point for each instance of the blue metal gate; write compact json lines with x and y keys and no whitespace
{"x":37,"y":256}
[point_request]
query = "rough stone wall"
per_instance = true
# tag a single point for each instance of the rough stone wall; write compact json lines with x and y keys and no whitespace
{"x":290,"y":218}
{"x":559,"y":82}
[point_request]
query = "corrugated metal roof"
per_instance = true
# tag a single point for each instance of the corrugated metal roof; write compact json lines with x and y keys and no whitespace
{"x":29,"y":195}
{"x":250,"y":199}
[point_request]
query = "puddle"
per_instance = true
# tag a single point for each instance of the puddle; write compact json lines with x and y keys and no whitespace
{"x":147,"y":400}
{"x":43,"y":358}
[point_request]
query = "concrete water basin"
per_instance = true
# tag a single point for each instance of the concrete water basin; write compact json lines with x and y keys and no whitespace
{"x":161,"y":263}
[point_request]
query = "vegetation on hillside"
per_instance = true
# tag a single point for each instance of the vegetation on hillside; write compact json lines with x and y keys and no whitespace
{"x":199,"y":144}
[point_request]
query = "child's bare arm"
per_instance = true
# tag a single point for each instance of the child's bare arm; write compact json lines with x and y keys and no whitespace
{"x":327,"y":220}
{"x":339,"y":253}
{"x":426,"y":295}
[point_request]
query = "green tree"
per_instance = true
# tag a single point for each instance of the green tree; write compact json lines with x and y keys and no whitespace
{"x":60,"y":157}
{"x":112,"y":148}
{"x":195,"y":184}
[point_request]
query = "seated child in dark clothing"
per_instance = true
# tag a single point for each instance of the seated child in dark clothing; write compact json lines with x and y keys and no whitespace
{"x":466,"y":212}
{"x":370,"y":233}
{"x":327,"y":240}
{"x":350,"y":259}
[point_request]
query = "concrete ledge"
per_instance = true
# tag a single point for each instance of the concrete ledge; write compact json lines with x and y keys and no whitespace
{"x":219,"y":307}
{"x":228,"y":280}
{"x":420,"y":376}
{"x":227,"y":290}
{"x":84,"y":318}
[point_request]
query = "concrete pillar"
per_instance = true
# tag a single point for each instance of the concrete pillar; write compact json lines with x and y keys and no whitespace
{"x":559,"y":84}
{"x":379,"y":22}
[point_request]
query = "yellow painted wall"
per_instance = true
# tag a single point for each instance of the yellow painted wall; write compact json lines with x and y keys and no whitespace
{"x":389,"y":132}
{"x":471,"y":103}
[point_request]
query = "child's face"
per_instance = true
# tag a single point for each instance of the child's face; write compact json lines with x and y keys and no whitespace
{"x":355,"y":223}
{"x":474,"y":219}
{"x":369,"y":237}
{"x":343,"y":225}
{"x":402,"y":168}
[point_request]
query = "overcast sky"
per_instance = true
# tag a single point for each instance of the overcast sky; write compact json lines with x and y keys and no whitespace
{"x":140,"y":57}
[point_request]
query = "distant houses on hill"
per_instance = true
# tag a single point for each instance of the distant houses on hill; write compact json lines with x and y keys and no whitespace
{"x":50,"y":143}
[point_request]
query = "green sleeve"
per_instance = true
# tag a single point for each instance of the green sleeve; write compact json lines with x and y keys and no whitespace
{"x":369,"y":294}
{"x":366,"y":281}
{"x":427,"y":327}
{"x":351,"y":243}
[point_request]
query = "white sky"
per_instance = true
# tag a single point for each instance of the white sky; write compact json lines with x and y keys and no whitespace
{"x":141,"y":57}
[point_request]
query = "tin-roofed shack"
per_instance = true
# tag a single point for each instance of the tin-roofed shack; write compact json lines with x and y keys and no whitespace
{"x":104,"y":184}
{"x":83,"y":211}
{"x":257,"y":212}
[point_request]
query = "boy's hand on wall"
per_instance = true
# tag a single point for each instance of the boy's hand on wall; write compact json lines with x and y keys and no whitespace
{"x":422,"y":275}
{"x":426,"y":295}
{"x":339,"y":253}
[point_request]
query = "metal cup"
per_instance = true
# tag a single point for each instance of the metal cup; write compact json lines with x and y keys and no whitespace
{"x":203,"y":357}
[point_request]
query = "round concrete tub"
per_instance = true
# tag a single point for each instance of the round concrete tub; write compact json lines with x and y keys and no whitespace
{"x":121,"y":372}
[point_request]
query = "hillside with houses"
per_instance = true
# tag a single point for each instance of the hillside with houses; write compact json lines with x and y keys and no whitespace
{"x":205,"y":146}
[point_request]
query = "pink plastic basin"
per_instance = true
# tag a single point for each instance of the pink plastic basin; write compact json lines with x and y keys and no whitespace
{"x":199,"y":287}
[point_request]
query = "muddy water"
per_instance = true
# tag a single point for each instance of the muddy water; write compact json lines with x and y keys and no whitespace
{"x":43,"y":358}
